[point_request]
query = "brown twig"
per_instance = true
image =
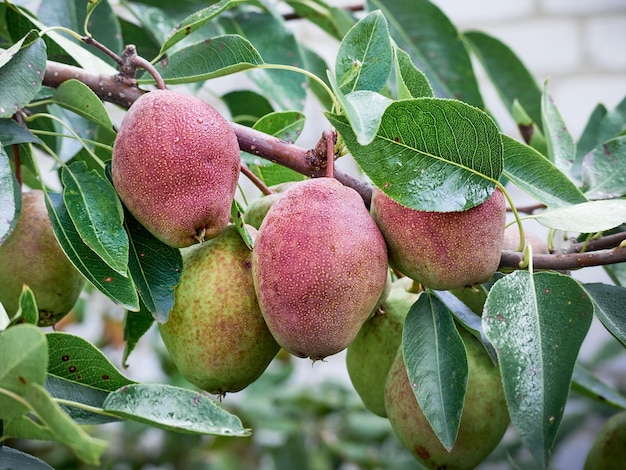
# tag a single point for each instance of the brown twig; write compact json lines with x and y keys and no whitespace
{"x":255,"y":179}
{"x":564,"y":262}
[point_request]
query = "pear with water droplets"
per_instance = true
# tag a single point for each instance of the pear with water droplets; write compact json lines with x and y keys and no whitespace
{"x":31,"y":255}
{"x":370,"y":355}
{"x":443,"y":250}
{"x":320,"y":267}
{"x":175,"y":166}
{"x":215,"y":333}
{"x":484,"y":419}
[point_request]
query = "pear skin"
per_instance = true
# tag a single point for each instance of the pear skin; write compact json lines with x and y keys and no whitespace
{"x":31,"y":255}
{"x":608,"y":451}
{"x":215,"y":333}
{"x":258,"y":208}
{"x":175,"y":166}
{"x":320,"y":267}
{"x":484,"y":419}
{"x":370,"y":355}
{"x":443,"y":250}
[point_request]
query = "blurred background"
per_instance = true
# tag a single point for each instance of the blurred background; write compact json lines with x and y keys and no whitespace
{"x":307,"y":415}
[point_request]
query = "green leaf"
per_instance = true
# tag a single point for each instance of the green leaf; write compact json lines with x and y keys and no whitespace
{"x":277,"y":45}
{"x":75,"y":359}
{"x":422,"y":29}
{"x":585,"y":383}
{"x":335,"y":21}
{"x":529,"y":129}
{"x":537,"y":323}
{"x":436,"y":363}
{"x":602,"y":126}
{"x":507,"y":72}
{"x":246,"y":107}
{"x":21,"y":76}
{"x":10,"y":197}
{"x":136,"y":324}
{"x":12,"y":133}
{"x":68,"y":390}
{"x":538,"y":176}
{"x":24,"y":362}
{"x":236,"y":213}
{"x":315,"y":64}
{"x":431,"y":154}
{"x":97,"y":213}
{"x":364,"y":57}
{"x":28,"y":311}
{"x":560,"y":143}
{"x":215,"y":57}
{"x":118,"y":288}
{"x":13,"y":458}
{"x":410,"y":81}
{"x":66,"y":431}
{"x":173,"y":408}
{"x":587,"y":217}
{"x":195,"y":21}
{"x":608,"y":302}
{"x":364,"y":111}
{"x":286,"y":125}
{"x":604,"y":170}
{"x":79,"y":98}
{"x":154,"y":267}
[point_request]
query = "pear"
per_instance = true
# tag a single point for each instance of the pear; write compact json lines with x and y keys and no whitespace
{"x":31,"y":255}
{"x":320,"y":267}
{"x":484,"y":419}
{"x":215,"y":332}
{"x":608,"y":451}
{"x":511,"y":240}
{"x":175,"y":166}
{"x":443,"y":250}
{"x":370,"y":355}
{"x":257,"y":209}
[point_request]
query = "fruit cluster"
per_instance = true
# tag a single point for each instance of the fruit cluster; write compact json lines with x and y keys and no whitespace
{"x":317,"y":282}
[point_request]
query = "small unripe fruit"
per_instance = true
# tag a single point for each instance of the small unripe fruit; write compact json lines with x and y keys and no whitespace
{"x":175,"y":166}
{"x":608,"y":451}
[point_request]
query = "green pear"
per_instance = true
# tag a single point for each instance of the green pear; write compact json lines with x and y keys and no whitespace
{"x":608,"y":451}
{"x":257,"y":209}
{"x":483,"y":422}
{"x":31,"y":255}
{"x":175,"y":166}
{"x":370,"y":355}
{"x":443,"y":250}
{"x":215,"y":333}
{"x":320,"y":267}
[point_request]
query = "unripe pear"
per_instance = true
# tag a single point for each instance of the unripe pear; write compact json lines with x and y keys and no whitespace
{"x":31,"y":255}
{"x":443,"y":250}
{"x":215,"y":333}
{"x":320,"y":266}
{"x":608,"y":451}
{"x":257,"y":209}
{"x":484,"y":419}
{"x":511,"y":240}
{"x":370,"y":355}
{"x":175,"y":166}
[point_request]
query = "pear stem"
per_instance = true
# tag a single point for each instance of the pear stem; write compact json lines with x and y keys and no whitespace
{"x":255,"y":179}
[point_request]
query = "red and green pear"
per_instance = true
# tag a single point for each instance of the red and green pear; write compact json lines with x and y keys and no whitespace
{"x":175,"y":166}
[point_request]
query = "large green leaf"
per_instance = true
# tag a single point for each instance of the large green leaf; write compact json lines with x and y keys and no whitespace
{"x":118,"y":288}
{"x":609,"y":304}
{"x":363,"y":60}
{"x":277,"y":45}
{"x":560,"y":143}
{"x":12,"y":133}
{"x":246,"y":107}
{"x":507,"y":72}
{"x":285,"y":125}
{"x":136,"y":324}
{"x":604,"y":170}
{"x":436,"y":359}
{"x":586,"y":217}
{"x":334,"y":20}
{"x":424,"y":31}
{"x":79,"y":98}
{"x":21,"y":75}
{"x":23,"y":350}
{"x":538,"y":176}
{"x":10,"y":197}
{"x":154,"y":267}
{"x":212,"y":58}
{"x":410,"y":81}
{"x":173,"y":408}
{"x":537,"y":323}
{"x":431,"y":154}
{"x":75,"y":359}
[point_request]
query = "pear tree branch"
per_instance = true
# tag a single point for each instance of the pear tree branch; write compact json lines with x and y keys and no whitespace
{"x":122,"y":89}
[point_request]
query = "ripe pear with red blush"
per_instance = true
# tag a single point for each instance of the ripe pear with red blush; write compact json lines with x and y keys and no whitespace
{"x":175,"y":166}
{"x":443,"y":250}
{"x":484,"y":419}
{"x":31,"y":255}
{"x":320,"y":267}
{"x":215,"y":333}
